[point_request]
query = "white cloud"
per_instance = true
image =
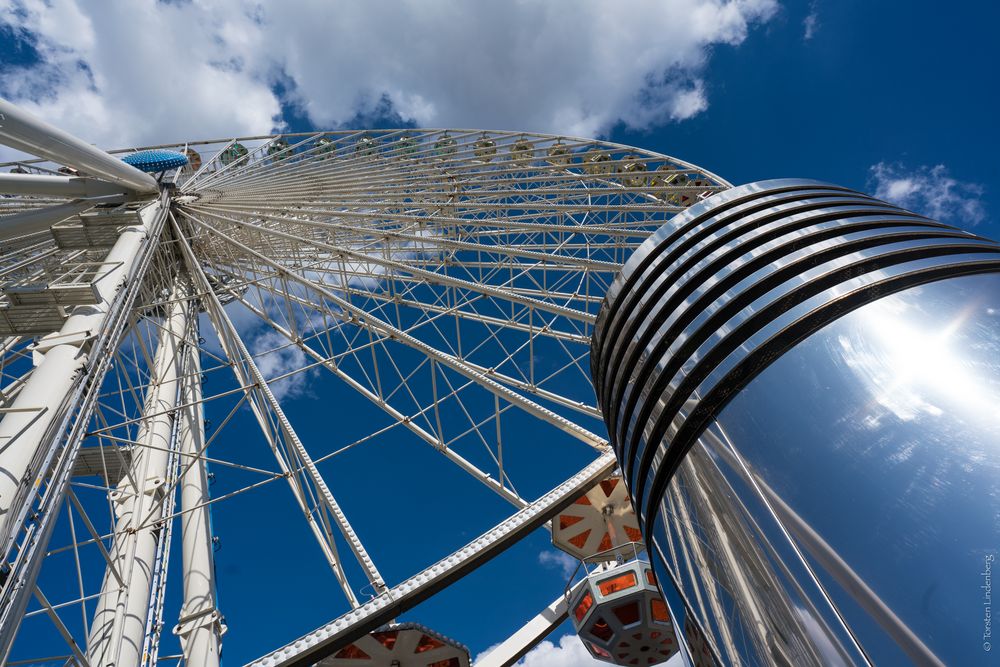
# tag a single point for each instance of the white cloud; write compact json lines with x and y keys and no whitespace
{"x":569,"y":652}
{"x":135,"y":72}
{"x":811,"y":23}
{"x":275,"y":356}
{"x":532,"y":65}
{"x":272,"y":352}
{"x":559,"y":560}
{"x":930,"y":191}
{"x":130,"y":72}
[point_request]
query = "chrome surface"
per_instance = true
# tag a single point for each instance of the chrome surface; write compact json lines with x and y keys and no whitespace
{"x":803,"y":386}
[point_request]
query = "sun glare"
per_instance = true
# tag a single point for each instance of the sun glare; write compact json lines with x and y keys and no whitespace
{"x":923,"y":371}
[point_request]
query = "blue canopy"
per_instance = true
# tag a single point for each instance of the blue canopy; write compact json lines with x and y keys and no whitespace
{"x":156,"y":159}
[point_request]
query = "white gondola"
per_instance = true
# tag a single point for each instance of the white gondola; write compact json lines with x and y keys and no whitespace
{"x":597,"y":163}
{"x":277,"y":149}
{"x":558,"y":155}
{"x":621,"y":616}
{"x":446,"y":146}
{"x":194,"y":161}
{"x":485,"y":149}
{"x":522,"y":152}
{"x":601,"y":521}
{"x":400,"y":645}
{"x":366,"y":146}
{"x":405,"y":147}
{"x":633,"y":171}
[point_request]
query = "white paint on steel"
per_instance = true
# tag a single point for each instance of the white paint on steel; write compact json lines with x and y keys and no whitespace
{"x":40,"y":219}
{"x":262,"y":401}
{"x":514,"y":647}
{"x":507,"y":248}
{"x":406,"y":420}
{"x":385,"y":329}
{"x":59,"y":357}
{"x":57,"y":186}
{"x":33,"y":512}
{"x":200,"y":625}
{"x":318,"y":643}
{"x":429,"y":276}
{"x":24,"y":132}
{"x":118,"y":631}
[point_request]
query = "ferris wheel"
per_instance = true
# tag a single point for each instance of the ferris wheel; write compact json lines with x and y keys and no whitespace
{"x":432,"y":292}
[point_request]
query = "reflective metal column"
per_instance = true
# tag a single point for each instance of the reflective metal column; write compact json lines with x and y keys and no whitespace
{"x":802,"y":384}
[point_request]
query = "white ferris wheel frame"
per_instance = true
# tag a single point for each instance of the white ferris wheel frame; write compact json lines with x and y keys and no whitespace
{"x":46,"y":416}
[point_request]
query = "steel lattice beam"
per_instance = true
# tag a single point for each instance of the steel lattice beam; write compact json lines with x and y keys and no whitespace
{"x":334,"y":635}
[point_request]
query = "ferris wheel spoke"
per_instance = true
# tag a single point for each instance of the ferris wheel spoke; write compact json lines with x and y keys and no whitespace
{"x":203,"y":169}
{"x":96,"y":538}
{"x":371,"y":258}
{"x":432,"y":184}
{"x":508,"y":358}
{"x":240,"y":161}
{"x":381,"y":394}
{"x":288,"y":448}
{"x":431,"y":241}
{"x":526,"y":320}
{"x":433,"y":433}
{"x":482,"y":219}
{"x":522,"y":270}
{"x":24,"y":258}
{"x":79,"y":570}
{"x":192,"y":456}
{"x":495,"y":370}
{"x":15,"y":353}
{"x":303,"y":480}
{"x":370,"y":390}
{"x":522,"y":322}
{"x":384,"y":329}
{"x":321,"y":642}
{"x":63,"y":631}
{"x":10,"y":392}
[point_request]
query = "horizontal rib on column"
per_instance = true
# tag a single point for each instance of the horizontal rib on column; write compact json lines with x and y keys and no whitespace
{"x":687,"y":323}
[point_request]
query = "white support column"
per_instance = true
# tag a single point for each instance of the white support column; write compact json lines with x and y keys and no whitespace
{"x":514,"y":647}
{"x":119,"y":627}
{"x":59,"y":358}
{"x":288,"y":449}
{"x":200,"y":625}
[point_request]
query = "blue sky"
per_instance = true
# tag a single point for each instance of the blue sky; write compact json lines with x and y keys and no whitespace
{"x":905,"y":85}
{"x":898,"y":99}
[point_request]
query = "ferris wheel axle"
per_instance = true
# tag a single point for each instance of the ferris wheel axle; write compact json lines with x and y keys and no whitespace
{"x":25,"y":132}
